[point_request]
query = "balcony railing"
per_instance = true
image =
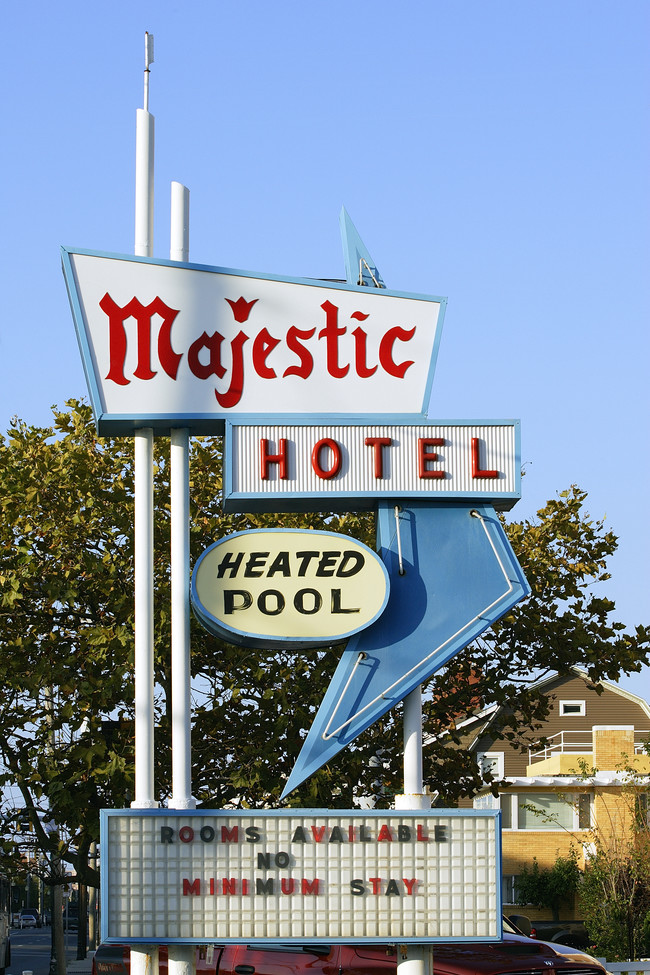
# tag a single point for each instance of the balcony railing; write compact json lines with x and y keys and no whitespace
{"x":564,"y":742}
{"x":572,"y":742}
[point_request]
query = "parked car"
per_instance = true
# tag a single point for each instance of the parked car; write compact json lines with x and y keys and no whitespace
{"x":572,"y":933}
{"x":515,"y":954}
{"x":29,"y":918}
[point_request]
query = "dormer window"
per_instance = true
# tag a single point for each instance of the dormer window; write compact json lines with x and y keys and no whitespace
{"x":568,"y":708}
{"x":491,"y":762}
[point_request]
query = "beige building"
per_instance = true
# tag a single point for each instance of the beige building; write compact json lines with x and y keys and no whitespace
{"x":556,"y":796}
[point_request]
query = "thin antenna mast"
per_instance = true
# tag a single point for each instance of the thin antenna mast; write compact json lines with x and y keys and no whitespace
{"x":148,"y":59}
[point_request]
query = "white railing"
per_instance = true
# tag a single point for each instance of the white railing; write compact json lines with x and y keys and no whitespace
{"x":561,"y":743}
{"x":573,"y":742}
{"x":627,"y":967}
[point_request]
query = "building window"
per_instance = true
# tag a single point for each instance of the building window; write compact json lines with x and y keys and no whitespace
{"x":509,"y":888}
{"x":486,"y":801}
{"x":642,"y":811}
{"x":584,"y":806}
{"x":540,"y":810}
{"x":506,"y":812}
{"x":491,"y":762}
{"x":577,"y":708}
{"x":545,"y":810}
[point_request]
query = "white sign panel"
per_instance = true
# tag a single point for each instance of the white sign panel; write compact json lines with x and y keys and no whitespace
{"x":342,"y":467}
{"x":300,"y":875}
{"x":166,"y":345}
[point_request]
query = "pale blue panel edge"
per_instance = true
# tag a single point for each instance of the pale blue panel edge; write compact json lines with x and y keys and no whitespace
{"x":106,"y":814}
{"x":210,"y":424}
{"x":337,"y":285}
{"x":499,"y":870}
{"x":82,"y":337}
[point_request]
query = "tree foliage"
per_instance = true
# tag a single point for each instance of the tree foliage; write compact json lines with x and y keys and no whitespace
{"x":551,"y":888}
{"x":565,"y":622}
{"x":615,"y":902}
{"x":615,"y":891}
{"x":66,"y":625}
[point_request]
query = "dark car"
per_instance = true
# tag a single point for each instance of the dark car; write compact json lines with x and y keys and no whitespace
{"x":571,"y":933}
{"x":514,"y":955}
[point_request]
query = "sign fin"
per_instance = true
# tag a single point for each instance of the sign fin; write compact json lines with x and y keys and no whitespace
{"x":360,"y":269}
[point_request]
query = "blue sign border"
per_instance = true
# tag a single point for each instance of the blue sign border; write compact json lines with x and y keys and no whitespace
{"x":405,"y":814}
{"x":208,"y":424}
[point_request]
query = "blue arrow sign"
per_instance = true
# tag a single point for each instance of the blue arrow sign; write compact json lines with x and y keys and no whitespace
{"x":452,"y":574}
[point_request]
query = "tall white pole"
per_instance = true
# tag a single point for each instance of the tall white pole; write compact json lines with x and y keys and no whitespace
{"x":144,"y":637}
{"x":180,"y":558}
{"x":179,"y":238}
{"x":413,"y":764}
{"x":181,"y":958}
{"x":144,"y":958}
{"x":413,"y":959}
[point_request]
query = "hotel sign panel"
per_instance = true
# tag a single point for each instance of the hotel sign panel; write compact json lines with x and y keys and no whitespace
{"x":166,"y":344}
{"x":330,"y":466}
{"x":299,"y":875}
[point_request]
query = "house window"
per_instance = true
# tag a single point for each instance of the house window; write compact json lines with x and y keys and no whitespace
{"x":642,"y":811}
{"x":506,"y":813}
{"x":487,"y":801}
{"x":509,"y":888}
{"x":584,"y":806}
{"x":568,"y":708}
{"x":491,"y":762}
{"x":545,"y":810}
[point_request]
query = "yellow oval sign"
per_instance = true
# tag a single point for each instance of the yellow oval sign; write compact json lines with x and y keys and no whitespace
{"x":289,"y":588}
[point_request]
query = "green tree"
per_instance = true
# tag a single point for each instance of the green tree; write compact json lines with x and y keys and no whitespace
{"x":565,"y":622}
{"x":66,"y":623}
{"x":615,"y":902}
{"x":615,"y":892}
{"x":551,"y":888}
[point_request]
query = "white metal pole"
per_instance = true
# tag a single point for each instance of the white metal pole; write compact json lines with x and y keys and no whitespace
{"x":181,"y":958}
{"x":144,"y":671}
{"x":180,"y":559}
{"x":180,"y":610}
{"x":179,"y":241}
{"x":144,"y":958}
{"x":413,"y":959}
{"x":144,"y":639}
{"x":144,"y":163}
{"x":413,"y":743}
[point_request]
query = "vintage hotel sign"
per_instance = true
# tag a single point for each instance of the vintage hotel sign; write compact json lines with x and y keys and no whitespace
{"x":165,"y":345}
{"x":300,"y":875}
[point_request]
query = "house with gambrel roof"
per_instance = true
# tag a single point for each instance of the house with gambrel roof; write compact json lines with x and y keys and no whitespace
{"x":573,"y":779}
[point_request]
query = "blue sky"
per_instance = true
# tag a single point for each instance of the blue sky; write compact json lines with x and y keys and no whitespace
{"x":495,"y":153}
